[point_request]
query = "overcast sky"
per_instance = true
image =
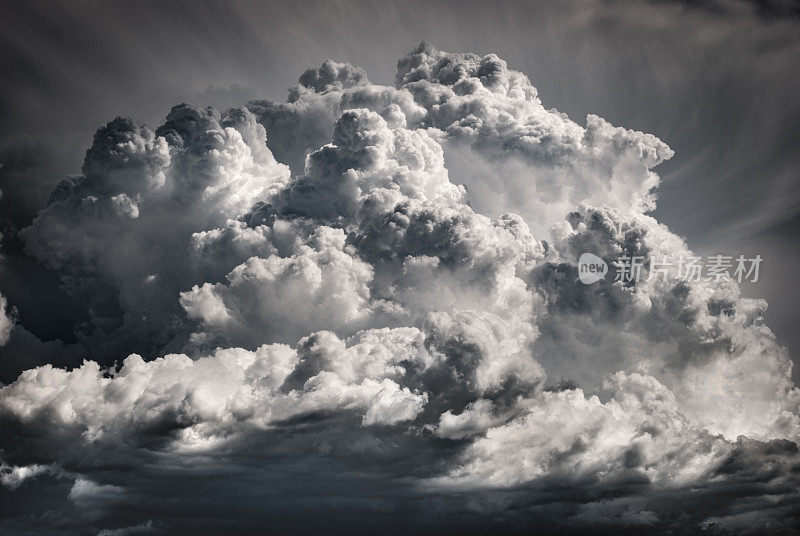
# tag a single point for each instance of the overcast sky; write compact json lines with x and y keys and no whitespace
{"x":395,"y":335}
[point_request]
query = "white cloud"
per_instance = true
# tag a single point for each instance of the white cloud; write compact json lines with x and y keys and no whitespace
{"x":12,"y":477}
{"x":212,"y":397}
{"x":130,"y":215}
{"x":405,"y":327}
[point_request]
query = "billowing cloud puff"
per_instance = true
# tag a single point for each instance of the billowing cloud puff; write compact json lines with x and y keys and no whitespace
{"x":305,"y":123}
{"x":703,"y":341}
{"x":321,"y":286}
{"x":385,"y":318}
{"x":118,"y":234}
{"x":211,"y":398}
{"x":500,"y":142}
{"x":367,"y":157}
{"x":542,"y":162}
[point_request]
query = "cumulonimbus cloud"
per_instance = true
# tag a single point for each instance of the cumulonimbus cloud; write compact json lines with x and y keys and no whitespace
{"x":390,"y":275}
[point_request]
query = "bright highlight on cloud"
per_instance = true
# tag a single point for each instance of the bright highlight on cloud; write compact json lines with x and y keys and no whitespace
{"x":364,"y":303}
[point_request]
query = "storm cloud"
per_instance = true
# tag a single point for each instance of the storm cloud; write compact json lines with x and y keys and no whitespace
{"x":360,"y":308}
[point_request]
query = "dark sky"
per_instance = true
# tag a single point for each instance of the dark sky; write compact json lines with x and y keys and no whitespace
{"x":453,"y":371}
{"x":718,"y":81}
